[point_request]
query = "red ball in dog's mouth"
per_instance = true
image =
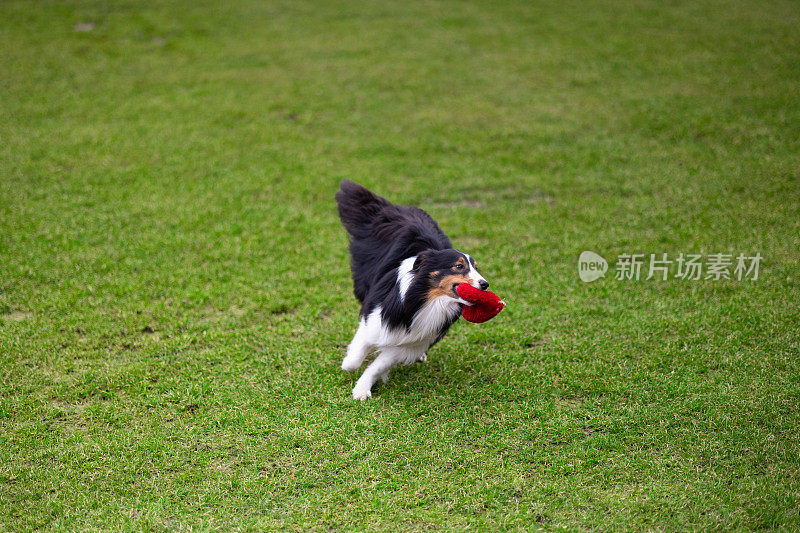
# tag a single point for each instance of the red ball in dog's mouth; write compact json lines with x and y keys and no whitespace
{"x":485,"y":304}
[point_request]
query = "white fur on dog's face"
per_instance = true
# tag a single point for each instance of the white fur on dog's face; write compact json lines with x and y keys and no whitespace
{"x":474,"y":274}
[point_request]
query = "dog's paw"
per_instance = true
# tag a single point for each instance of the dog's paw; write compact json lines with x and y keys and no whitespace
{"x":350,"y":365}
{"x":423,"y":358}
{"x":360,"y":393}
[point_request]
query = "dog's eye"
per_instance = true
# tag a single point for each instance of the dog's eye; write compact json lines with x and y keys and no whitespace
{"x":460,"y":266}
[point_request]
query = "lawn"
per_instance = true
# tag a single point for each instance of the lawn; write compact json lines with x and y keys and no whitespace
{"x":175,"y":297}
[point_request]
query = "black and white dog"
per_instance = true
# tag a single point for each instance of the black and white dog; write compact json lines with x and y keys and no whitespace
{"x":405,"y":274}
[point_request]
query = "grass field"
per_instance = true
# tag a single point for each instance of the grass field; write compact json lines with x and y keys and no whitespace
{"x":174,"y":285}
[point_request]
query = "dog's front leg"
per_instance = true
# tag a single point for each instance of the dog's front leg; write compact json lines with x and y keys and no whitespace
{"x":358,"y":349}
{"x":379,"y":368}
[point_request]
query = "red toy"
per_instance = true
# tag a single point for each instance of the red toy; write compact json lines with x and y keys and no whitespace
{"x":485,"y":304}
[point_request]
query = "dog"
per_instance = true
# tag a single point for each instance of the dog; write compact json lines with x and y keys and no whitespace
{"x":405,"y":274}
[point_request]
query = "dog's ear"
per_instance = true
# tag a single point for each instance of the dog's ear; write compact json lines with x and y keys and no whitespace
{"x":421,"y":259}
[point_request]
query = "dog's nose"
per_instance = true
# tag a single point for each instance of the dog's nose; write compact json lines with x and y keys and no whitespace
{"x":483,"y":284}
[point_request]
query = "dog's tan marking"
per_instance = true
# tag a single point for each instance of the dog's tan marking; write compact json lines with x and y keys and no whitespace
{"x":434,"y":273}
{"x":461,"y":261}
{"x":445,"y":286}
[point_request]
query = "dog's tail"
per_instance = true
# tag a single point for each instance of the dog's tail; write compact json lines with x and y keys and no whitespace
{"x":358,"y":207}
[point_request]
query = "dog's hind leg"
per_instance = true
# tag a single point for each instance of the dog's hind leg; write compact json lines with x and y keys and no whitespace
{"x":358,"y":349}
{"x":379,"y":368}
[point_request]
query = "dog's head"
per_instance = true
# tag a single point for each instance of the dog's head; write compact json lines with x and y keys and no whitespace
{"x":445,"y":270}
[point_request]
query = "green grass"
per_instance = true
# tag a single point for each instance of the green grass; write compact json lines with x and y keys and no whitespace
{"x":174,"y":286}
